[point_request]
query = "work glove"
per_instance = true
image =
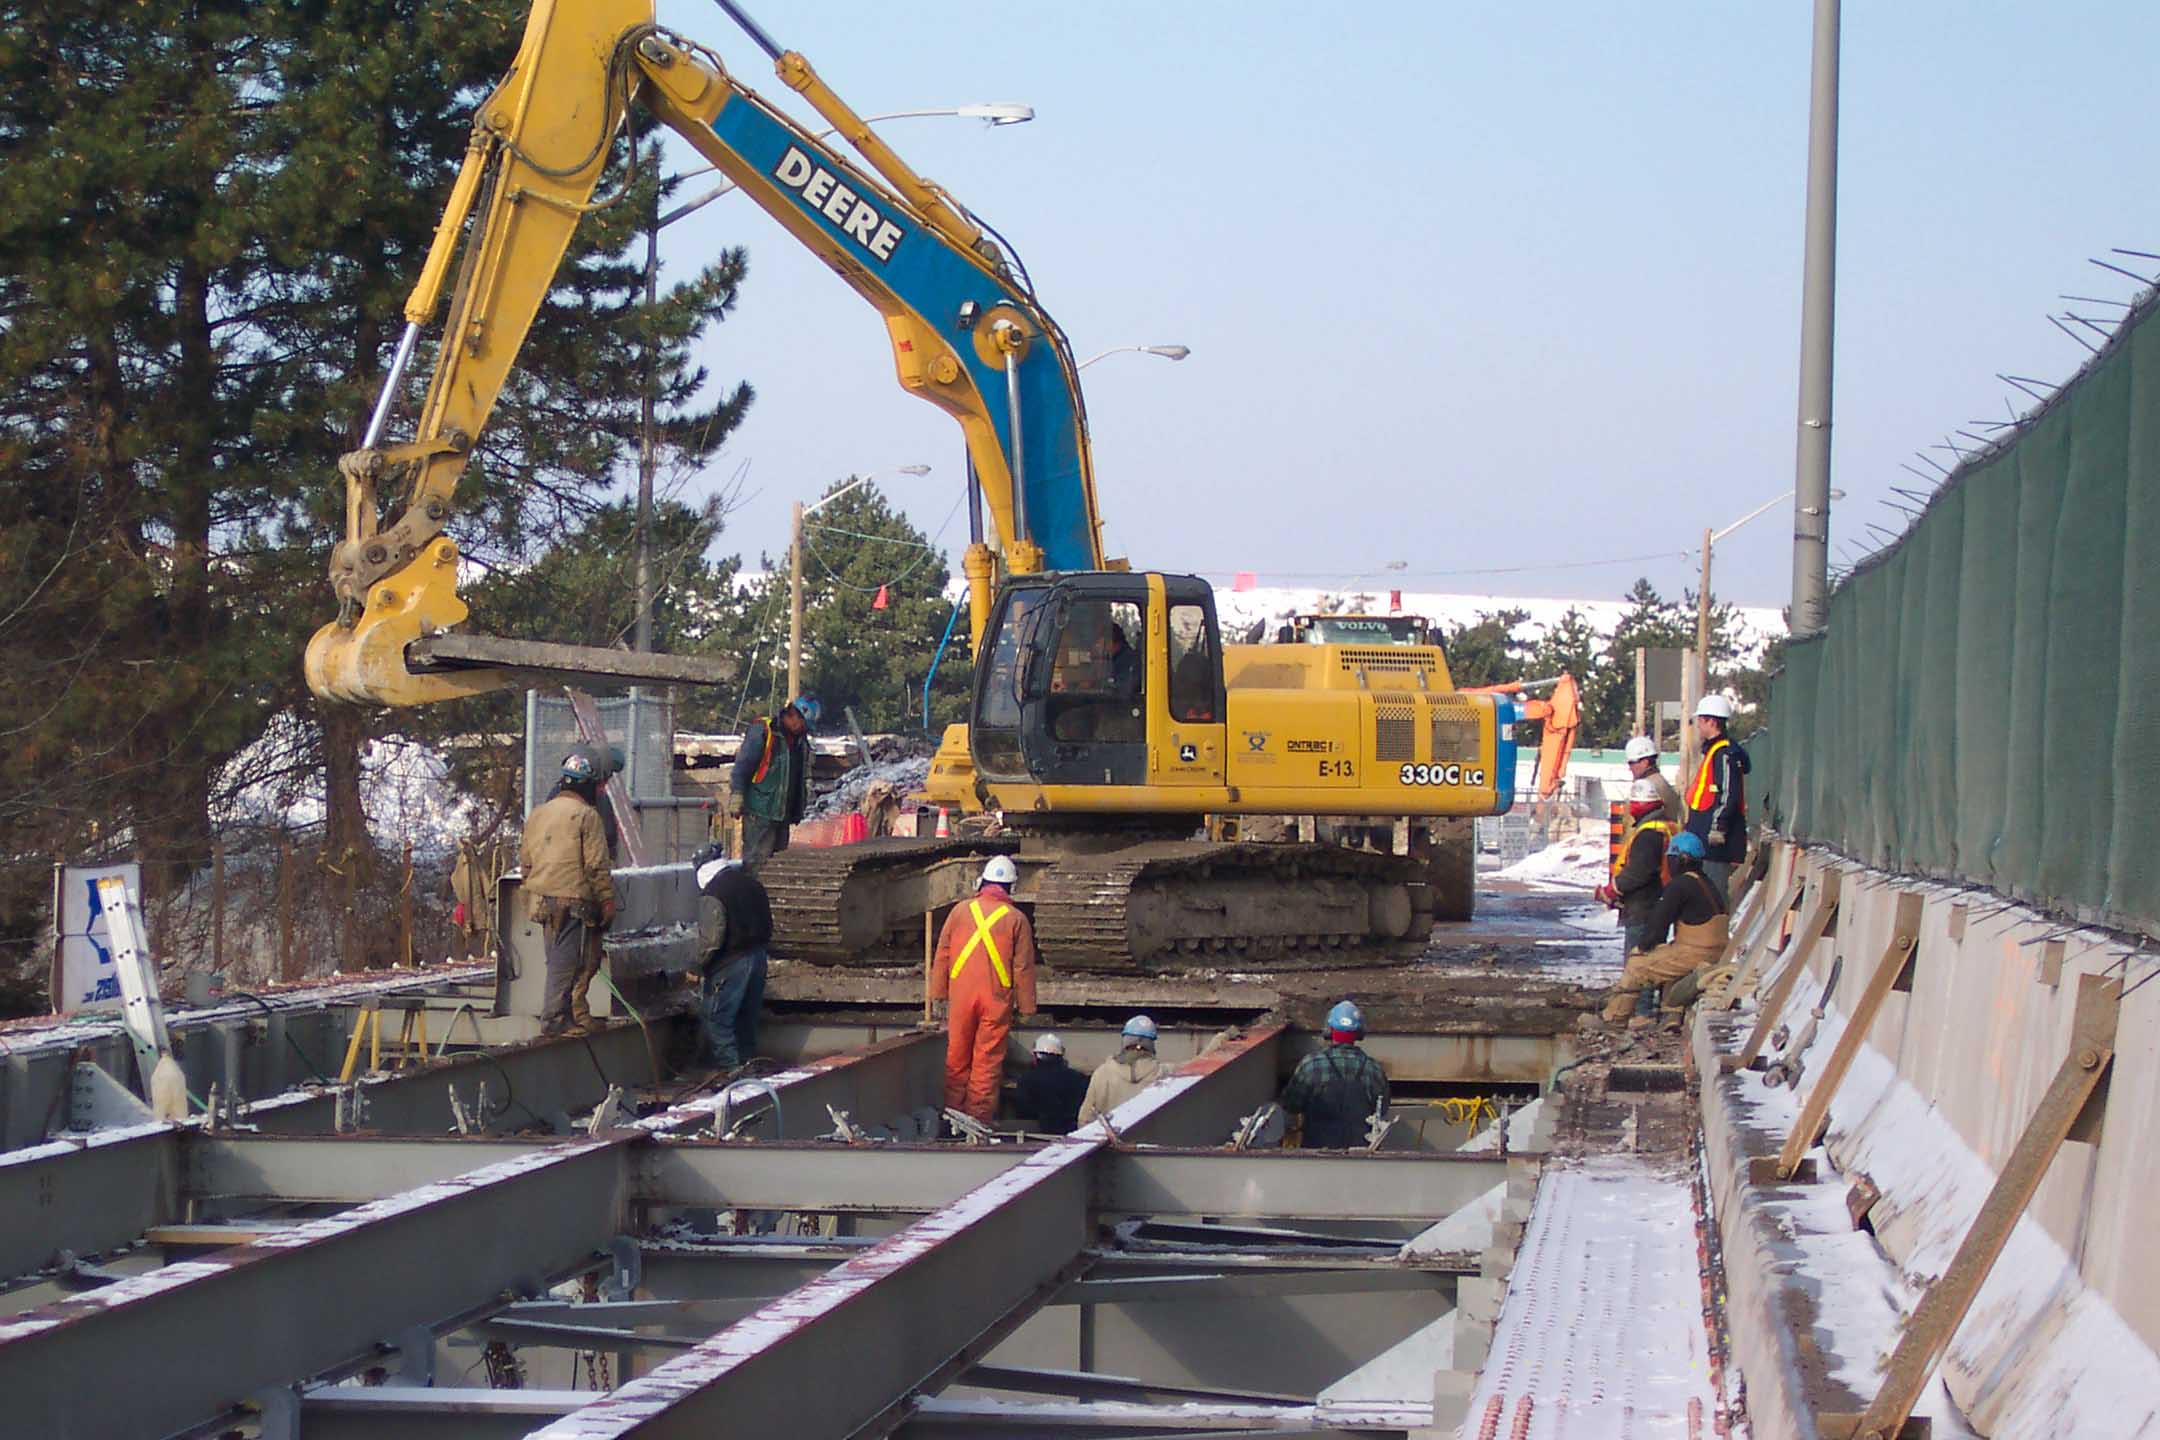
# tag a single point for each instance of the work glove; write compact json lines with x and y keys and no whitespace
{"x":734,"y":802}
{"x":1715,"y":839}
{"x":607,"y":914}
{"x":1607,"y":896}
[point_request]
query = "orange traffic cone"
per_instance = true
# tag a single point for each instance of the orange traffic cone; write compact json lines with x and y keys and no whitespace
{"x":944,"y":825}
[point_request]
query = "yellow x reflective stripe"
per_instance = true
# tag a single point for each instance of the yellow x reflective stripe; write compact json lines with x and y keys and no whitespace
{"x":982,"y":938}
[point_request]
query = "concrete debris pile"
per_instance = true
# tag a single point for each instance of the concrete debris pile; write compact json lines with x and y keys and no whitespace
{"x":897,"y":761}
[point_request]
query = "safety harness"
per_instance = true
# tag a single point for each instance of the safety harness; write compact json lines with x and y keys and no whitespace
{"x":983,"y":938}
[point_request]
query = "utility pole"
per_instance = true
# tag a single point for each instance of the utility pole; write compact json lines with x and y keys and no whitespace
{"x":1818,"y":303}
{"x":1702,"y":656}
{"x":794,"y":649}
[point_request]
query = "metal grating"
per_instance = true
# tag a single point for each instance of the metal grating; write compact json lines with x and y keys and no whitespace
{"x":643,"y":726}
{"x":1455,"y":734}
{"x":1394,"y":731}
{"x":1397,"y":659}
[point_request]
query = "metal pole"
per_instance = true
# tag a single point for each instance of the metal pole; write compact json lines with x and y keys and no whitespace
{"x":1690,"y":744}
{"x":1021,"y":529}
{"x":1702,"y":616}
{"x":794,"y":649}
{"x":1811,"y":499}
{"x":647,"y":452}
{"x":974,"y":503}
{"x":398,"y":362}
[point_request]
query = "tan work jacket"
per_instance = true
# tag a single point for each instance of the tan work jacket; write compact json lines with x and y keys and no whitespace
{"x":564,"y":853}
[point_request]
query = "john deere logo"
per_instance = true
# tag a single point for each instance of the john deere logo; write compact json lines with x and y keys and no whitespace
{"x":1256,"y":739}
{"x":1187,"y":754}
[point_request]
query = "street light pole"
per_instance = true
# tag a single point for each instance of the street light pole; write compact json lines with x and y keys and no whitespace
{"x":798,"y":514}
{"x":1710,"y":539}
{"x":1818,"y":308}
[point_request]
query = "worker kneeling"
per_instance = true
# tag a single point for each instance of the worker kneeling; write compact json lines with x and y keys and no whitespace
{"x":985,"y":970}
{"x":1693,"y":910}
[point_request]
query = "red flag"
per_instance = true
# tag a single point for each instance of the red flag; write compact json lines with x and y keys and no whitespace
{"x":1244,"y":580}
{"x":1394,"y":602}
{"x":880,"y":602}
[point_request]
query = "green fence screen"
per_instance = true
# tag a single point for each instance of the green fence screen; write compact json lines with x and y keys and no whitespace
{"x":1981,"y":704}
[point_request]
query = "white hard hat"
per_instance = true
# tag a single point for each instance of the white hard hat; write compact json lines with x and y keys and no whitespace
{"x":1001,"y":871}
{"x":1049,"y":1045}
{"x":1717,"y":707}
{"x":1642,"y":747}
{"x":1644,"y":792}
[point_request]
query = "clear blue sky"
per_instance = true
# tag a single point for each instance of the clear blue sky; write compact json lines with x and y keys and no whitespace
{"x":1468,"y":287}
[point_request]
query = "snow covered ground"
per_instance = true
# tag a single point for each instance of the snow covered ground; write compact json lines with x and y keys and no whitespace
{"x":1580,"y":862}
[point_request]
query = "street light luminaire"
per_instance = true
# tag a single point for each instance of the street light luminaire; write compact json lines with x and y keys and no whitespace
{"x":1167,"y":352}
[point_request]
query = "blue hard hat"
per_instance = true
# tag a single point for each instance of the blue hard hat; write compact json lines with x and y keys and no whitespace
{"x":1140,"y":1028}
{"x":807,"y":707}
{"x":1687,"y":845}
{"x":578,"y":767}
{"x":1347,"y":1018}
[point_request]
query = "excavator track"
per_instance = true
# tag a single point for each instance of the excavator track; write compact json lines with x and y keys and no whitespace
{"x":848,"y":905}
{"x":1175,"y":905}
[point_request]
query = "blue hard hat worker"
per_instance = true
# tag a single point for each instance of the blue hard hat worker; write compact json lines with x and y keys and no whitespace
{"x":1338,"y":1088}
{"x":1124,"y":1074}
{"x":1692,"y":910}
{"x":769,"y":788}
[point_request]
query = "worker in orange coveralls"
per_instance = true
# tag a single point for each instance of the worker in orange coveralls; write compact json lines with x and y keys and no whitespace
{"x":985,"y":966}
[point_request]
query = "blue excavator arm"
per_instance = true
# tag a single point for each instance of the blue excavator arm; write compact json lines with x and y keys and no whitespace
{"x":966,"y":332}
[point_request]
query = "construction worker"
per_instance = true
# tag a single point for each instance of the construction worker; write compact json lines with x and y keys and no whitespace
{"x":770,"y":785}
{"x":570,"y":892}
{"x":1693,"y":910}
{"x":1124,"y":665}
{"x":1338,"y":1089}
{"x":985,"y":970}
{"x":1642,"y":764}
{"x":1717,"y":797}
{"x":1124,"y":1074}
{"x":1638,"y":871}
{"x":1050,"y":1091}
{"x":734,"y":927}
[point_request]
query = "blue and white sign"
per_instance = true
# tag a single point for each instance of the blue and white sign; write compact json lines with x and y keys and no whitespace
{"x":84,"y":973}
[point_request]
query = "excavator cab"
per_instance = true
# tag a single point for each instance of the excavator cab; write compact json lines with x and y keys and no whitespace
{"x":1095,"y":679}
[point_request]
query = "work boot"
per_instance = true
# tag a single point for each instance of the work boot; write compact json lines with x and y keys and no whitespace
{"x":1641,"y":1022}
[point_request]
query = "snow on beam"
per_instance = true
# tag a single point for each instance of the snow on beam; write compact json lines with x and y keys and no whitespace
{"x":195,"y":1338}
{"x":908,"y":1313}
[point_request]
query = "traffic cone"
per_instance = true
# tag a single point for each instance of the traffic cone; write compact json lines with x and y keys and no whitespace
{"x":944,"y":825}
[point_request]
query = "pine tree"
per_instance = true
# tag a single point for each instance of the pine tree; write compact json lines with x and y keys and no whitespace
{"x":1486,"y":651}
{"x":855,"y":654}
{"x":209,"y":216}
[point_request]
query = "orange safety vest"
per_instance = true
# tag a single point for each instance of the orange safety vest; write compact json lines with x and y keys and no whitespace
{"x":764,"y":758}
{"x":983,"y":938}
{"x":1663,"y":827}
{"x":1704,"y":790}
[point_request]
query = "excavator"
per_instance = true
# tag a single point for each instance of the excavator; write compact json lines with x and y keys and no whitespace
{"x":1107,"y":717}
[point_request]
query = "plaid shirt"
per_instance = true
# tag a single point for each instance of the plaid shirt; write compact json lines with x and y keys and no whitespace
{"x":1336,"y":1090}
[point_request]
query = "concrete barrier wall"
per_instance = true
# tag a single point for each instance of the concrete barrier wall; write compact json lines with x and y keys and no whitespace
{"x":2061,"y":1340}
